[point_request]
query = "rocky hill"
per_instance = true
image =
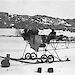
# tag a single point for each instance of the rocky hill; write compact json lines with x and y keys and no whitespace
{"x":21,"y":21}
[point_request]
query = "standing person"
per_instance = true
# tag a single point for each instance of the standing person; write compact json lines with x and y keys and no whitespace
{"x":25,"y":34}
{"x":33,"y":33}
{"x":51,"y":36}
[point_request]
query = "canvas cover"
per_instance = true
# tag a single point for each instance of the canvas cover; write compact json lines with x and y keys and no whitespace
{"x":35,"y":41}
{"x":33,"y":38}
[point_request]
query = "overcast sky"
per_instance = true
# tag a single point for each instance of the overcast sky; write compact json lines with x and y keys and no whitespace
{"x":53,"y":8}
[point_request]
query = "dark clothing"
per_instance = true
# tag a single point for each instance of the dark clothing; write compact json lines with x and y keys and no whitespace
{"x":29,"y":33}
{"x":25,"y":35}
{"x":43,"y":38}
{"x":51,"y":36}
{"x":33,"y":38}
{"x":33,"y":32}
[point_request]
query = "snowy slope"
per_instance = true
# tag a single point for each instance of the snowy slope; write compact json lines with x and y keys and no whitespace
{"x":9,"y":31}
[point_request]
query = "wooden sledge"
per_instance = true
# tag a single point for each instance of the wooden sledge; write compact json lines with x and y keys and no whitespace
{"x":37,"y":62}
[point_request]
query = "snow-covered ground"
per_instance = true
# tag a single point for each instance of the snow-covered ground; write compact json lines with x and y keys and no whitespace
{"x":15,"y":32}
{"x":15,"y":47}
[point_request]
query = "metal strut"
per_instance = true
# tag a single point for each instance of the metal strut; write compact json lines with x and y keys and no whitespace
{"x":54,"y":47}
{"x":52,"y":54}
{"x":25,"y":49}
